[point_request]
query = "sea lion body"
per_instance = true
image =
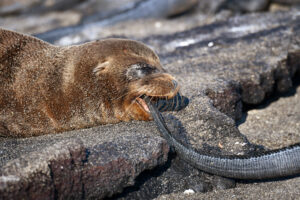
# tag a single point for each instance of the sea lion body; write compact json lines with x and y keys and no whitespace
{"x":48,"y":89}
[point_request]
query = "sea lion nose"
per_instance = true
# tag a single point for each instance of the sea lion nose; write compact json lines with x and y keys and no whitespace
{"x":175,"y":84}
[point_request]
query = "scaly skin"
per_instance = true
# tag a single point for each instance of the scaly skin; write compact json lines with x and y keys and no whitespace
{"x":272,"y":164}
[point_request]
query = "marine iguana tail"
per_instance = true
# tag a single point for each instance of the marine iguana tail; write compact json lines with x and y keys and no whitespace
{"x":272,"y":164}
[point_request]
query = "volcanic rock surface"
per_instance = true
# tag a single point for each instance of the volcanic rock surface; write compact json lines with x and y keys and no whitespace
{"x":222,"y":66}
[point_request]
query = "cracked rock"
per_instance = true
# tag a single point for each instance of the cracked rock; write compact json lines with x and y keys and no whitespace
{"x":89,"y":163}
{"x":220,"y":66}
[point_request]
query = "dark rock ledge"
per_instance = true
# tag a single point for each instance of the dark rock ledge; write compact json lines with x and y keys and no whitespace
{"x":82,"y":164}
{"x":220,"y":66}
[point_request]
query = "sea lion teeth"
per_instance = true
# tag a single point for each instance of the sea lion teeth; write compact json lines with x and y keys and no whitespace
{"x":143,"y":104}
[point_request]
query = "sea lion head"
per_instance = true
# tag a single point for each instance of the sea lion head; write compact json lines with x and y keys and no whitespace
{"x":125,"y":72}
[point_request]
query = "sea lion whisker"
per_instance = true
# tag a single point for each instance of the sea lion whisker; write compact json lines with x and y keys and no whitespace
{"x":126,"y":94}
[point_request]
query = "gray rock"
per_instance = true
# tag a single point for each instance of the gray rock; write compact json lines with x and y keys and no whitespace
{"x":38,"y":16}
{"x":34,"y":6}
{"x":138,"y":29}
{"x":132,"y":9}
{"x":274,"y":125}
{"x":248,"y":60}
{"x":95,"y":10}
{"x":286,"y":1}
{"x":140,"y":10}
{"x":210,"y":6}
{"x":245,"y":6}
{"x":223,"y":183}
{"x":175,"y":176}
{"x":91,"y":163}
{"x":31,"y":24}
{"x":288,"y":189}
{"x":236,"y":6}
{"x":220,"y":67}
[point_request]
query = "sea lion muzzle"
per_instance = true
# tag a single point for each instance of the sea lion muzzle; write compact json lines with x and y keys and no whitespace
{"x":176,"y":103}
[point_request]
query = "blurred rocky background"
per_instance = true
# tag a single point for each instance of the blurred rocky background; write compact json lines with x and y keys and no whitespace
{"x":52,"y":19}
{"x":238,"y":61}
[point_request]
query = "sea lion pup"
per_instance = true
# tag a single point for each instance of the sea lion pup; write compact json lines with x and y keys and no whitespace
{"x":49,"y":89}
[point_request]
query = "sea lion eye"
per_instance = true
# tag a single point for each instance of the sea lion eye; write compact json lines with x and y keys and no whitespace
{"x":139,"y":70}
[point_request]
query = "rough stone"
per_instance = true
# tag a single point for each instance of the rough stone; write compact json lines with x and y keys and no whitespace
{"x":13,"y":7}
{"x":39,"y":16}
{"x":280,"y":189}
{"x":287,"y":1}
{"x":248,"y":62}
{"x":236,"y":6}
{"x":140,"y":10}
{"x":275,"y":124}
{"x":89,"y":163}
{"x":245,"y":6}
{"x":138,"y":30}
{"x":40,"y":23}
{"x":220,"y":67}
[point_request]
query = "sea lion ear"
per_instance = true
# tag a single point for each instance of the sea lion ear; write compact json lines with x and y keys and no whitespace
{"x":101,"y":67}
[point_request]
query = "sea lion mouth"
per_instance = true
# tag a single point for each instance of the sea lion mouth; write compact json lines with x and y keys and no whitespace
{"x":162,"y":91}
{"x":142,"y":103}
{"x":154,"y":98}
{"x":176,"y":103}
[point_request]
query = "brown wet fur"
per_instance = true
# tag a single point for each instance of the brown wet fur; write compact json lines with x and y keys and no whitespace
{"x":48,"y":89}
